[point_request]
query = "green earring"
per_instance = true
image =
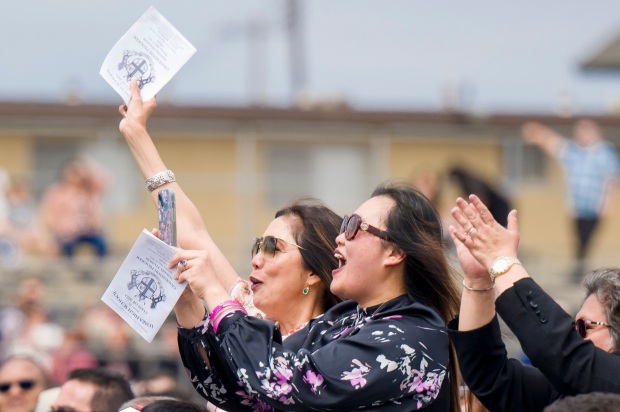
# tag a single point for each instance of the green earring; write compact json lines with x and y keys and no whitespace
{"x":306,"y":290}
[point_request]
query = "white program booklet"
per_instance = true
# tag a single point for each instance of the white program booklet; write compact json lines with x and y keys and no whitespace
{"x":143,"y":292}
{"x":152,"y":52}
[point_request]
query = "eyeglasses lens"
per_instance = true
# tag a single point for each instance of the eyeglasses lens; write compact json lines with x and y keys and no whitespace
{"x":343,"y":225}
{"x":581,"y":327}
{"x":255,"y":246}
{"x":25,"y":385}
{"x":352,"y":224}
{"x":267,"y":244}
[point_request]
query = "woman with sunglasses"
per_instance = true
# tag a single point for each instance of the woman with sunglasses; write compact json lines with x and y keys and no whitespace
{"x":384,"y":349}
{"x":569,"y":357}
{"x":292,"y":262}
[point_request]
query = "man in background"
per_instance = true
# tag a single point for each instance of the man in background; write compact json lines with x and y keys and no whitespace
{"x":22,"y":379}
{"x":590,"y":165}
{"x":93,"y":390}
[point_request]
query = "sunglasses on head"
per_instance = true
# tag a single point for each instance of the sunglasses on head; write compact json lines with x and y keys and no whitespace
{"x":26,"y":385}
{"x":269,"y":245}
{"x":582,"y":326}
{"x":352,"y":224}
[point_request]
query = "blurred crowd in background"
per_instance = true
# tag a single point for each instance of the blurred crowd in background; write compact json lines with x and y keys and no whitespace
{"x":66,"y":225}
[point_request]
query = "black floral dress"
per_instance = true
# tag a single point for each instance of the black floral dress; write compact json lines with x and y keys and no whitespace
{"x":391,"y":357}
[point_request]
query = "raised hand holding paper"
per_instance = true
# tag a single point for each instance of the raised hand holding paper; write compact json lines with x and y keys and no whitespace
{"x":152,"y":52}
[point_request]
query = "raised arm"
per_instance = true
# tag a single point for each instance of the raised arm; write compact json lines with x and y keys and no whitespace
{"x":192,"y":233}
{"x":499,"y":383}
{"x":546,"y":332}
{"x":542,"y":136}
{"x":479,"y":240}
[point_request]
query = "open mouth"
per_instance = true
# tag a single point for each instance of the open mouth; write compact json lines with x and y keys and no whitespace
{"x":255,"y":282}
{"x":341,"y":260}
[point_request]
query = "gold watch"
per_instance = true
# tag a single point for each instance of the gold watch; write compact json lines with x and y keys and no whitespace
{"x":502,"y":265}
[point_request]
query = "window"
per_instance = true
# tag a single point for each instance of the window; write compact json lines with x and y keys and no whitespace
{"x":337,"y":175}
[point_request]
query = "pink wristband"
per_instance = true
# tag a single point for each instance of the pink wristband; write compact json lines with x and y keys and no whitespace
{"x":226,"y":313}
{"x":220,"y":307}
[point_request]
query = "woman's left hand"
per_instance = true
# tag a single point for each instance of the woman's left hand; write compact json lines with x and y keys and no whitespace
{"x":195,"y":267}
{"x":474,"y":273}
{"x":480,"y":233}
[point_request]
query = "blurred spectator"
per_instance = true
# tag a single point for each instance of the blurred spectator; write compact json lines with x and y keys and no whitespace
{"x":26,"y":327}
{"x":72,"y":207}
{"x":590,"y":402}
{"x":432,"y":185}
{"x":163,"y":382}
{"x":71,"y":355}
{"x":22,"y":379}
{"x":47,"y":399}
{"x":110,"y":339}
{"x":590,"y":164}
{"x":428,"y":183}
{"x":93,"y":390}
{"x":496,"y":202}
{"x":169,"y":357}
{"x":9,"y":252}
{"x":23,"y":223}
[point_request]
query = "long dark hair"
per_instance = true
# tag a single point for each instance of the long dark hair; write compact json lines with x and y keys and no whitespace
{"x":415,"y":227}
{"x":315,"y":228}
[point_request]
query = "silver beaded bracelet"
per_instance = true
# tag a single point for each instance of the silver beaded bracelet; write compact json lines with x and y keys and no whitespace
{"x":159,"y":179}
{"x":478,"y":290}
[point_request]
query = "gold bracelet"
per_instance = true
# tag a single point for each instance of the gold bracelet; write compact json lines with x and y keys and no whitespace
{"x":478,"y":290}
{"x":159,"y":179}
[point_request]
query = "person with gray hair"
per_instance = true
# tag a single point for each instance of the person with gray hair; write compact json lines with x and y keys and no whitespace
{"x":605,"y":285}
{"x":569,"y":356}
{"x":588,"y":402}
{"x":22,"y":379}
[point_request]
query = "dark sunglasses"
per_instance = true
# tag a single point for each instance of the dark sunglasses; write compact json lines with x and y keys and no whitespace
{"x":582,"y":326}
{"x":25,"y":385}
{"x":352,"y":224}
{"x":63,"y":409}
{"x":269,"y":245}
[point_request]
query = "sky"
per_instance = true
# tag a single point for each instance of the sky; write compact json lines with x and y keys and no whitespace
{"x":380,"y":55}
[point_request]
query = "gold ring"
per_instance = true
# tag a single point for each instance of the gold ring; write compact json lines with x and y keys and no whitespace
{"x":471,"y":229}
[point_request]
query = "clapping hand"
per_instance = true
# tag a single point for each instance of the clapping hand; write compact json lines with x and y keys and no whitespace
{"x":479,"y":239}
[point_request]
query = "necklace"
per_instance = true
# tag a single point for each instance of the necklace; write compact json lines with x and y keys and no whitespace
{"x":376,"y":310}
{"x":295,"y":329}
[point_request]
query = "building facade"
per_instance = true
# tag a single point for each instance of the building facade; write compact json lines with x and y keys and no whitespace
{"x":240,"y":165}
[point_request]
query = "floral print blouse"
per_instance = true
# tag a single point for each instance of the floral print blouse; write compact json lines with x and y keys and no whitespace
{"x":391,"y":357}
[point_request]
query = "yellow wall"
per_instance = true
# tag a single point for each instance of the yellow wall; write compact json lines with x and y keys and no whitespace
{"x":212,"y":166}
{"x":15,"y":155}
